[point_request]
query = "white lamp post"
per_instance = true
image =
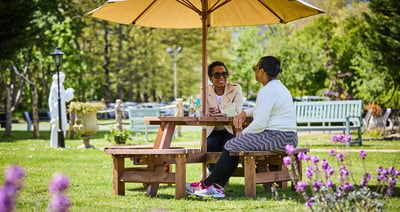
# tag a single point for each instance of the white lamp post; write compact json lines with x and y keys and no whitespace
{"x":175,"y":53}
{"x":57,"y":58}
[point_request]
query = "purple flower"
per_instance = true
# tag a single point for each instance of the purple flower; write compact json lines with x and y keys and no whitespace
{"x":346,"y":139}
{"x":337,"y":138}
{"x":330,"y":171}
{"x":343,"y":173}
{"x":290,"y":149}
{"x":287,"y":161}
{"x":332,"y":152}
{"x":393,"y":182}
{"x":301,"y":156}
{"x":301,"y":186}
{"x":382,"y":178}
{"x":340,"y":156}
{"x":365,"y":179}
{"x":309,"y":172}
{"x":362,"y":154}
{"x":317,"y":185}
{"x":347,"y":187}
{"x":389,"y":192}
{"x":367,"y":176}
{"x":306,"y":157}
{"x":329,"y":183}
{"x":344,"y":170}
{"x":59,"y":183}
{"x":6,"y":200}
{"x":310,"y":202}
{"x":324,"y":164}
{"x":314,"y":159}
{"x":14,"y":175}
{"x":59,"y":203}
{"x":392,"y":170}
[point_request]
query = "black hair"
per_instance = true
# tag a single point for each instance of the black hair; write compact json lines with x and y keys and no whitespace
{"x":213,"y":64}
{"x":271,"y":65}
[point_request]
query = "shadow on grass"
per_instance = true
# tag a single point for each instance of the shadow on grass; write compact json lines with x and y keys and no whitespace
{"x":233,"y":192}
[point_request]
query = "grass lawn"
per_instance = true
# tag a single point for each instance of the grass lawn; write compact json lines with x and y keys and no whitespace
{"x":91,"y":178}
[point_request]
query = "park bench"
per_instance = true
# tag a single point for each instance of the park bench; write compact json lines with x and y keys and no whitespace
{"x":331,"y":115}
{"x":43,"y":116}
{"x":137,"y":123}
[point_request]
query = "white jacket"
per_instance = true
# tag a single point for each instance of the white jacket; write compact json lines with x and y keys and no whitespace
{"x":232,"y":94}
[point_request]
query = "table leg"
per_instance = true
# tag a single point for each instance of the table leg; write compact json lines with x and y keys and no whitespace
{"x":118,"y":168}
{"x":152,"y":188}
{"x":250,"y":176}
{"x":164,"y":135}
{"x":180,"y":177}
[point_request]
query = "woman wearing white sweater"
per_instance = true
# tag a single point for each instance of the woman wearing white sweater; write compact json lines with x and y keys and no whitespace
{"x":273,"y":127}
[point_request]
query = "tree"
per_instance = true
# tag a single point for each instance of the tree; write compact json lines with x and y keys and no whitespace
{"x":247,"y":49}
{"x":381,"y":63}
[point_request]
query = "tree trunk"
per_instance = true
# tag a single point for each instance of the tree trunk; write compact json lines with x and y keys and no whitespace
{"x":7,"y":132}
{"x":35,"y":111}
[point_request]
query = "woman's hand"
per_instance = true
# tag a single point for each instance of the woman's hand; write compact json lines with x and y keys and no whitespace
{"x":239,"y":119}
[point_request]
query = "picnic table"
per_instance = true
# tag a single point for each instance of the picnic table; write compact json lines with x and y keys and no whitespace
{"x":155,"y":162}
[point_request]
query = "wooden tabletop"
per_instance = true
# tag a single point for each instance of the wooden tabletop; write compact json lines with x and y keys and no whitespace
{"x":193,"y":121}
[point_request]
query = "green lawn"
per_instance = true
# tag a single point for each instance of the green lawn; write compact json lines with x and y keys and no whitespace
{"x":91,"y":178}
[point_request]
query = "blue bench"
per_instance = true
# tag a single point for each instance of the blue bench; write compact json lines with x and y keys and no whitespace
{"x":331,"y":115}
{"x":137,"y":122}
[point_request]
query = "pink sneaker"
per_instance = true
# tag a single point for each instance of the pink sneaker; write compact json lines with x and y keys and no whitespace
{"x":213,"y":190}
{"x":193,"y":187}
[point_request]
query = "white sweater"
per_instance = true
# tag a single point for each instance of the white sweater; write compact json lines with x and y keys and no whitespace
{"x":274,"y":109}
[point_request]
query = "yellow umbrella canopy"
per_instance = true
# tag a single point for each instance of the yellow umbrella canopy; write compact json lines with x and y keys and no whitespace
{"x":178,"y":14}
{"x":188,"y":13}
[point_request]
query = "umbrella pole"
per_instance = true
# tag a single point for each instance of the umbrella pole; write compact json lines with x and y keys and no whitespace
{"x":204,"y":17}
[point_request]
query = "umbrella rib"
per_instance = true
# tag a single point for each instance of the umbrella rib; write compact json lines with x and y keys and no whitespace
{"x":189,"y":5}
{"x":272,"y":11}
{"x":216,"y":5}
{"x":144,"y":11}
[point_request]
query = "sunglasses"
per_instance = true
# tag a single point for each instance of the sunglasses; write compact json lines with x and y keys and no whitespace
{"x":219,"y":74}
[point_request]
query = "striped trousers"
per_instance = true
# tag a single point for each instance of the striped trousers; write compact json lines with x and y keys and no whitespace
{"x":268,"y":140}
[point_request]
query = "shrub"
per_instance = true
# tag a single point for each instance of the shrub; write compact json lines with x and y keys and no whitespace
{"x":117,"y":136}
{"x":323,"y":192}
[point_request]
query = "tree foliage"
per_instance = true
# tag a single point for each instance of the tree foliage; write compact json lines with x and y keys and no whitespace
{"x":381,"y":63}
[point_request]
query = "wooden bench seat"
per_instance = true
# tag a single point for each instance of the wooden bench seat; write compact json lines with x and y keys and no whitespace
{"x":264,"y":167}
{"x":156,"y":171}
